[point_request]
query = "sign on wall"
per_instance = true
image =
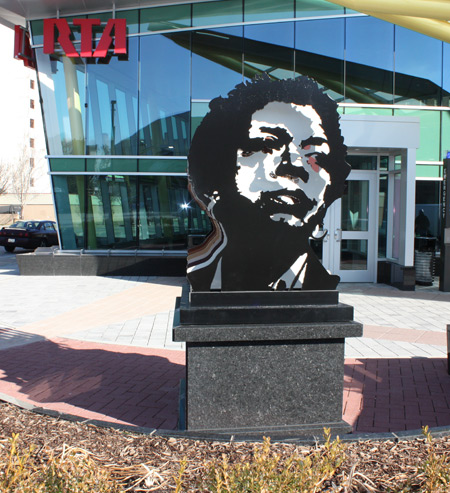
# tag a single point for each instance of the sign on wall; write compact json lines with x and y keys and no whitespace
{"x":59,"y":30}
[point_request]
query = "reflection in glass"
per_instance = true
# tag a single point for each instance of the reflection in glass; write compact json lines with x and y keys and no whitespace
{"x":418,"y":66}
{"x":260,"y":10}
{"x":111,"y":212}
{"x":268,"y":48}
{"x":69,"y":203}
{"x":369,"y":60}
{"x":216,"y":56}
{"x":355,"y":206}
{"x":446,"y":75}
{"x":383,"y":216}
{"x":353,"y":255}
{"x":362,"y":162}
{"x":167,"y":214}
{"x":396,"y":217}
{"x":165,"y":18}
{"x":113,"y":93}
{"x":428,"y":200}
{"x":319,"y":53}
{"x":62,"y":85}
{"x":164,"y":102}
{"x":310,"y":8}
{"x":214,"y":13}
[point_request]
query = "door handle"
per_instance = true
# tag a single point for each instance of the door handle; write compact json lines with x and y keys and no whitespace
{"x":338,"y":235}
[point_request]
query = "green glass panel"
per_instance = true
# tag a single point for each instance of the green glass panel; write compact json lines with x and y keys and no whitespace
{"x":383,"y":214}
{"x":260,"y":10}
{"x":37,"y":32}
{"x":362,"y":162}
{"x":384,"y":163}
{"x":67,"y":165}
{"x":70,"y":208}
{"x":163,"y":165}
{"x":355,"y":206}
{"x":212,"y":13}
{"x":311,"y":8}
{"x":112,"y":165}
{"x":131,"y":16}
{"x":428,"y":171}
{"x":111,"y":212}
{"x":198,"y":112}
{"x":165,"y":18}
{"x":368,"y":111}
{"x":445,"y":139}
{"x":429,"y":149}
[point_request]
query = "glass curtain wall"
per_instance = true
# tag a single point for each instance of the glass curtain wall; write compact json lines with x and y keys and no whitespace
{"x":130,"y":119}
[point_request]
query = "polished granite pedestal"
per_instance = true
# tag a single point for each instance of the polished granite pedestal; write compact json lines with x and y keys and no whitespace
{"x":263,"y":363}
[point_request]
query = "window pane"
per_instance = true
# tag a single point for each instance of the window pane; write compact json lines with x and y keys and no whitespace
{"x":418,"y":68}
{"x":319,"y":46}
{"x":369,"y":61}
{"x":355,"y":206}
{"x":446,"y":75}
{"x":111,"y":212}
{"x":362,"y":162}
{"x":163,"y":165}
{"x":269,"y":48}
{"x":428,"y":203}
{"x":445,"y":140}
{"x":111,"y":165}
{"x":131,"y":16}
{"x":353,"y":255}
{"x":396,"y":216}
{"x":113,"y":90}
{"x":429,"y":149}
{"x":216,"y":56}
{"x":165,"y":95}
{"x":198,"y":111}
{"x":260,"y":10}
{"x":214,"y":13}
{"x":164,"y":18}
{"x":167,"y":213}
{"x":383,"y":216}
{"x":69,"y":201}
{"x":62,"y":86}
{"x":67,"y":164}
{"x":310,"y":8}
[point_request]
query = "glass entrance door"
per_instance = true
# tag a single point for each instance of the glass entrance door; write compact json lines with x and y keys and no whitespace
{"x":350,"y":247}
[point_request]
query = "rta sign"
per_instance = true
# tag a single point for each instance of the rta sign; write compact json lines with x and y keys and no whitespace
{"x":119,"y":26}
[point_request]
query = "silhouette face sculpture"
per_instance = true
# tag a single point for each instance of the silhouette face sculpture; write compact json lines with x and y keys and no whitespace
{"x":265,"y":164}
{"x":278,"y":171}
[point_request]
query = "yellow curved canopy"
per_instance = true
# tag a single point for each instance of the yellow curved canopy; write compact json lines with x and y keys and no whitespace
{"x":430,"y":17}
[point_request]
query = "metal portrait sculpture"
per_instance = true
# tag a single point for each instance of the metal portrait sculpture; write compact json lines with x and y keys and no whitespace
{"x":265,"y":164}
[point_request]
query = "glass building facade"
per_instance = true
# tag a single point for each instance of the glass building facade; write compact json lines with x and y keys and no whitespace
{"x":119,"y":129}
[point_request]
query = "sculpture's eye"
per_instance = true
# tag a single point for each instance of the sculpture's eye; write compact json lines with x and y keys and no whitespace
{"x":247,"y":153}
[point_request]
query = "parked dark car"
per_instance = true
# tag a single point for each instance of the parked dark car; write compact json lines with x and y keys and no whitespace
{"x":29,"y":235}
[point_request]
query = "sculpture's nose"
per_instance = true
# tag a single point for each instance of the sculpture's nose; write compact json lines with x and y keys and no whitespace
{"x":287,"y":169}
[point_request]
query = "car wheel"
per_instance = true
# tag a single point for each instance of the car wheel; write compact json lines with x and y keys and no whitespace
{"x":9,"y":248}
{"x":43,"y":243}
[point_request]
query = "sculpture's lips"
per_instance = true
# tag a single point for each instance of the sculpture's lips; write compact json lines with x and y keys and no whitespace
{"x":294,"y":202}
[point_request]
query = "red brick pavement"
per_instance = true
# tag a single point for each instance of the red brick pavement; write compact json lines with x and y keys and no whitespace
{"x":139,"y":386}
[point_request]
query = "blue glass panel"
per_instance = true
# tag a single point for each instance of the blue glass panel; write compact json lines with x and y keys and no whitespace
{"x":269,"y":48}
{"x":446,"y":75}
{"x":164,"y":104}
{"x":112,"y":89}
{"x":418,"y":68}
{"x":217,"y":57}
{"x":319,"y":53}
{"x":369,"y":61}
{"x":62,"y":87}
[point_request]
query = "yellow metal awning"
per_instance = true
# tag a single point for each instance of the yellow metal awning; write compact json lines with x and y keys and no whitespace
{"x":430,"y":17}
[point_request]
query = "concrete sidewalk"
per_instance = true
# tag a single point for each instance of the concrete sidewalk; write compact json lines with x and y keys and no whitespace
{"x":101,"y":348}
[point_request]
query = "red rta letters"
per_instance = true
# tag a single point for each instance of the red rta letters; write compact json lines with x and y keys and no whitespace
{"x":62,"y":26}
